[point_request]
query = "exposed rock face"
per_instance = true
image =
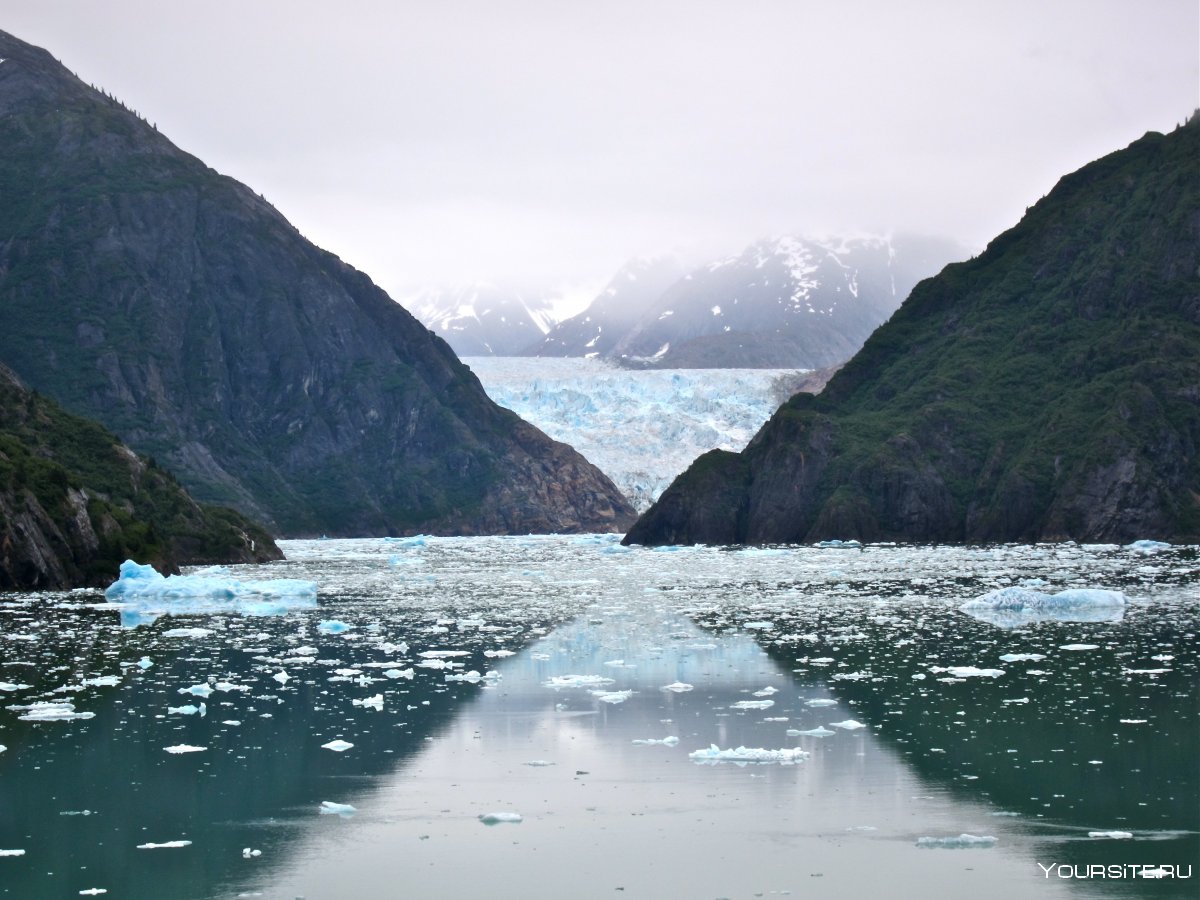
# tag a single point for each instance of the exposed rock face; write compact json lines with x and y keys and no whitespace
{"x":1048,"y":389}
{"x":184,"y":312}
{"x":75,"y":502}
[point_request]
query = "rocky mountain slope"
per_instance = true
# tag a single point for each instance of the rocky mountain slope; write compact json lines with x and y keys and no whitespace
{"x":179,"y":308}
{"x":482,"y":319}
{"x":1048,"y":389}
{"x":75,"y":503}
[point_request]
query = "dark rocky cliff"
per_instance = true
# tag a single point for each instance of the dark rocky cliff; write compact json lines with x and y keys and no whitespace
{"x":1048,"y":389}
{"x":75,"y":503}
{"x":179,"y":308}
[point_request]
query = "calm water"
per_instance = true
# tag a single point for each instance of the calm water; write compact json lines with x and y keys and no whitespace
{"x":1103,"y":738}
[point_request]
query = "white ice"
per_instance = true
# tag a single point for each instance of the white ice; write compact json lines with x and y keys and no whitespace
{"x":166,"y":845}
{"x":329,"y":808}
{"x":1013,"y":607}
{"x":501,"y":818}
{"x":184,"y":748}
{"x":962,"y":842}
{"x":338,"y":746}
{"x":715,"y":754}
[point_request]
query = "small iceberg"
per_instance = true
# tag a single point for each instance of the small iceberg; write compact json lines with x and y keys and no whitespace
{"x":677,"y":687}
{"x":1014,"y":607}
{"x":51,"y":711}
{"x":1112,"y":835}
{"x":165,"y":845}
{"x":966,"y":671}
{"x":576,"y":681}
{"x":839,"y":545}
{"x":1146,"y":548}
{"x":501,"y":818}
{"x":329,"y":808}
{"x":184,"y":748}
{"x":848,"y":725}
{"x":338,"y":746}
{"x":819,"y":731}
{"x":144,"y":594}
{"x":715,"y":754}
{"x":962,"y":842}
{"x":658,"y":742}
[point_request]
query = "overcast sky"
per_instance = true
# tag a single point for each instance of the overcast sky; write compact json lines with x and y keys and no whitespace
{"x":544,"y":143}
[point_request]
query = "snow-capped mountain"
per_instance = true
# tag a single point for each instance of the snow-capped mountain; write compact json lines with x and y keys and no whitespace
{"x":596,"y":330}
{"x":482,"y":319}
{"x":641,"y":428}
{"x":786,"y":301}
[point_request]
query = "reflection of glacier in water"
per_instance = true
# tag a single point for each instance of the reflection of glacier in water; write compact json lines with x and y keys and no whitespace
{"x":1036,"y":736}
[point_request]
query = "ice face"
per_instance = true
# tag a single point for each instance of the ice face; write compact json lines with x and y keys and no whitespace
{"x":145,"y":594}
{"x":641,"y":428}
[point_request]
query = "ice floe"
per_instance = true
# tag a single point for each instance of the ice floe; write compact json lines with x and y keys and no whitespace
{"x":338,"y":746}
{"x":1013,"y":607}
{"x":501,"y":818}
{"x":165,"y":845}
{"x":184,"y":748}
{"x":847,"y":725}
{"x":664,"y":742}
{"x":967,"y":671}
{"x":715,"y":754}
{"x":1113,"y":835}
{"x":961,"y":842}
{"x":329,"y":808}
{"x":50,"y":711}
{"x":819,"y":731}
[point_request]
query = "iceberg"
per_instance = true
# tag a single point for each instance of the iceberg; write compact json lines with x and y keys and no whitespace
{"x":715,"y":754}
{"x":184,"y":748}
{"x":847,"y":725}
{"x":338,"y":746}
{"x":144,"y":594}
{"x":1146,"y":548}
{"x":574,"y":681}
{"x":660,"y":742}
{"x":166,"y":845}
{"x":501,"y":818}
{"x":967,"y":671}
{"x":962,"y":842}
{"x":819,"y":731}
{"x":1014,"y":607}
{"x":51,"y":711}
{"x":329,"y":808}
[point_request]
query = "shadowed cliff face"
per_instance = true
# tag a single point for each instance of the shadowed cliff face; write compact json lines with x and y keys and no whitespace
{"x":75,"y":503}
{"x":173,"y":304}
{"x":1048,"y":389}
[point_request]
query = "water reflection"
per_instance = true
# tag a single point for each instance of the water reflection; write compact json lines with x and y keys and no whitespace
{"x":1078,"y":740}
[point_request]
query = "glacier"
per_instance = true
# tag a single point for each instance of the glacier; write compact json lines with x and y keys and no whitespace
{"x":642,"y":428}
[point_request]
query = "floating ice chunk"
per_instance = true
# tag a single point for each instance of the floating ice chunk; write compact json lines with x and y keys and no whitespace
{"x":226,"y":687}
{"x":2,"y":748}
{"x":57,"y":711}
{"x":141,"y":590}
{"x":103,"y":681}
{"x":820,"y":702}
{"x":442,"y":654}
{"x":1134,"y":721}
{"x":839,"y":545}
{"x":93,"y":892}
{"x":1079,"y":647}
{"x":1012,"y":607}
{"x":375,"y":702}
{"x":1146,"y":548}
{"x":759,"y":626}
{"x":250,"y":853}
{"x":184,"y":748}
{"x":199,"y":690}
{"x":333,"y":626}
{"x":329,"y":808}
{"x":665,"y":742}
{"x":166,"y":845}
{"x":501,"y":818}
{"x":752,"y":704}
{"x":848,"y":725}
{"x":338,"y":746}
{"x":766,"y":692}
{"x":677,"y":687}
{"x":1022,"y":657}
{"x":9,"y":686}
{"x":819,"y":731}
{"x":12,"y":852}
{"x":967,"y":671}
{"x":715,"y":754}
{"x":574,"y":681}
{"x":282,"y":677}
{"x":538,"y":763}
{"x":400,"y":673}
{"x":499,"y":654}
{"x":144,"y":663}
{"x":184,"y":632}
{"x":1114,"y":835}
{"x":962,"y":842}
{"x":611,"y":696}
{"x":188,"y":710}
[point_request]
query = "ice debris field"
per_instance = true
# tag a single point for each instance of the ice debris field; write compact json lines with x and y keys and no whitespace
{"x":387,"y":708}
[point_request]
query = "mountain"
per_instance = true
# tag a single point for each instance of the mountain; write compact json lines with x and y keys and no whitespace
{"x":784,"y":302}
{"x":482,"y":319}
{"x":608,"y":318}
{"x":179,"y":308}
{"x":75,"y":503}
{"x":1047,"y":389}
